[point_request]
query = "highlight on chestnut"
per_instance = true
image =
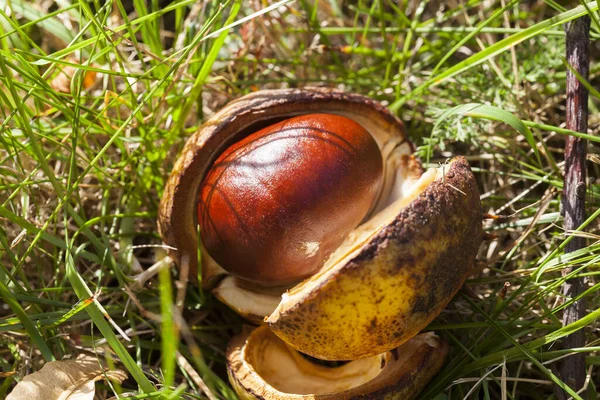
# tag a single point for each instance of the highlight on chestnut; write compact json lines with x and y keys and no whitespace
{"x":277,"y":203}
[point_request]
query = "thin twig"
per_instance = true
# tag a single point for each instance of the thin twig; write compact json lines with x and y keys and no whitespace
{"x":572,"y":369}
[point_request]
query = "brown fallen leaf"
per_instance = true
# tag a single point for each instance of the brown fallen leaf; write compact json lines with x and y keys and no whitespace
{"x":65,"y":380}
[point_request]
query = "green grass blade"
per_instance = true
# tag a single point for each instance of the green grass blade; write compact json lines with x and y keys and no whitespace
{"x":206,"y":68}
{"x":97,"y":313}
{"x":524,"y":351}
{"x":77,"y":307}
{"x":496,"y":49}
{"x":581,"y":79}
{"x":170,"y":337}
{"x":472,"y":34}
{"x":491,"y":113}
{"x":31,"y":329}
{"x":30,"y":13}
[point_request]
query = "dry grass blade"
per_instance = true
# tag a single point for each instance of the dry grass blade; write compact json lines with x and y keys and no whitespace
{"x":195,"y":376}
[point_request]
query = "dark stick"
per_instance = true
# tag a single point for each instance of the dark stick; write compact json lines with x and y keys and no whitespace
{"x":572,"y":370}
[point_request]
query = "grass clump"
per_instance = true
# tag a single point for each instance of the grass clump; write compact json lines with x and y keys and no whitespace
{"x":97,"y":98}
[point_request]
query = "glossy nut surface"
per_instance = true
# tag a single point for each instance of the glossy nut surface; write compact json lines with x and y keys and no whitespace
{"x":274,"y":205}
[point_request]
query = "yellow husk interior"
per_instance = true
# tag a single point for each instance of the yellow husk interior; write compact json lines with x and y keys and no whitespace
{"x":287,"y":371}
{"x":262,"y":366}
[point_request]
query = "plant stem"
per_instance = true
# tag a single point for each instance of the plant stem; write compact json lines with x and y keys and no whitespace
{"x":572,"y":369}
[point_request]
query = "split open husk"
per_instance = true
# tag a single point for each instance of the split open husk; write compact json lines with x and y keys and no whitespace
{"x":262,"y":366}
{"x":393,"y":274}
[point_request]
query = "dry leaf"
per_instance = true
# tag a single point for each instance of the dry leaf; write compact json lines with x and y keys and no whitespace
{"x":62,"y":81}
{"x":65,"y":380}
{"x":18,"y":239}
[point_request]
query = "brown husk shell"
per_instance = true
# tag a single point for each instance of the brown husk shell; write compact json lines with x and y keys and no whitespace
{"x":402,"y":376}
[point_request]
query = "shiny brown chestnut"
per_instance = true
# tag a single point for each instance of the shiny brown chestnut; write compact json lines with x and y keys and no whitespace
{"x":277,"y":203}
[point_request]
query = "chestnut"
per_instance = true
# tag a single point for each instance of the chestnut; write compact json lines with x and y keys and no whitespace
{"x":277,"y":203}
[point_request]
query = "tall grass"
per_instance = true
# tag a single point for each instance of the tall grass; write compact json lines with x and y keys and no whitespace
{"x":97,"y":98}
